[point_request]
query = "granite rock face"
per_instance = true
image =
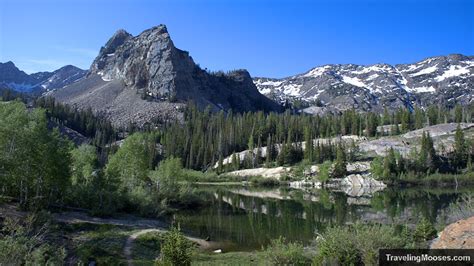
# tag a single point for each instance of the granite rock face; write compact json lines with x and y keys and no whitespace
{"x":146,"y":79}
{"x":156,"y":69}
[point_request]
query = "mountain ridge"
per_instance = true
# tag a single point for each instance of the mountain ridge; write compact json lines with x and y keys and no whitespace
{"x":440,"y":79}
{"x":163,"y":78}
{"x":13,"y":78}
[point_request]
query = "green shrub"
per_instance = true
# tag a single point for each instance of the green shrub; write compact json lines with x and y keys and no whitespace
{"x":22,"y":242}
{"x":147,"y":246}
{"x":176,"y":249}
{"x":353,"y":245}
{"x":279,"y":252}
{"x":264,"y":182}
{"x":424,"y":231}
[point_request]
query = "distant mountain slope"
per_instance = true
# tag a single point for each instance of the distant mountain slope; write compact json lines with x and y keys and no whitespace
{"x":158,"y":79}
{"x":443,"y":79}
{"x":15,"y":79}
{"x":64,"y":76}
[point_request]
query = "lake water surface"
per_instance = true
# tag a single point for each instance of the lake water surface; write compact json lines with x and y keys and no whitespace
{"x":246,"y":218}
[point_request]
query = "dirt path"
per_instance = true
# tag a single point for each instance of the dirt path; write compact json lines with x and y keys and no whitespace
{"x":127,"y":250}
{"x":146,"y":225}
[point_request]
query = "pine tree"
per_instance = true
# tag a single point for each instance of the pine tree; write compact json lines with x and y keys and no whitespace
{"x":308,"y":152}
{"x":458,"y":114}
{"x":460,"y":148}
{"x":220,"y":164}
{"x":419,"y":118}
{"x":235,"y":163}
{"x":353,"y":151}
{"x":428,"y":160}
{"x":340,"y":168}
{"x":317,"y":153}
{"x":406,"y":121}
{"x":469,"y":165}
{"x":390,"y":165}
{"x":386,"y":117}
{"x":269,"y":152}
{"x":258,"y":155}
{"x":283,"y":154}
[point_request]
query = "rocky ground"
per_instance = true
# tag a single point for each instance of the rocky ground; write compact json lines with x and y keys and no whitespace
{"x":458,"y":235}
{"x":116,"y":102}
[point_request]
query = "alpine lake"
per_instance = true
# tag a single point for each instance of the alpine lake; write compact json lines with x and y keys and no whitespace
{"x":242,"y":218}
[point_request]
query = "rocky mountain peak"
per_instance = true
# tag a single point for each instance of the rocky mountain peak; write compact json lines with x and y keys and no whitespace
{"x":441,"y":79}
{"x":13,"y":77}
{"x":116,"y":40}
{"x":150,"y":73}
{"x":148,"y":62}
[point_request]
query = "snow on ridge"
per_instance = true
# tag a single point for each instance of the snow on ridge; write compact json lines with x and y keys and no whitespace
{"x":317,"y":71}
{"x":425,"y":71}
{"x":269,"y":83}
{"x":264,"y":90}
{"x":469,"y":63}
{"x":371,"y":77}
{"x":373,"y":68}
{"x":453,"y":71}
{"x":292,"y":89}
{"x":423,"y":89}
{"x":353,"y":81}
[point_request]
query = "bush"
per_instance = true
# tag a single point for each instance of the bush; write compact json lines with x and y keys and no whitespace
{"x":324,"y":171}
{"x":176,"y":249}
{"x":23,"y":242}
{"x":461,"y":209}
{"x":279,"y":252}
{"x":424,"y":231}
{"x":355,"y":245}
{"x":264,"y":182}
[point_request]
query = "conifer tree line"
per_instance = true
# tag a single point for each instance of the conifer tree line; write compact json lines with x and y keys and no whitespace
{"x":425,"y":160}
{"x":205,"y":138}
{"x":39,"y":166}
{"x":83,"y":121}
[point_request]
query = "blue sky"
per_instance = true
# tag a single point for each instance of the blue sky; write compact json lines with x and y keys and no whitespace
{"x":269,"y":38}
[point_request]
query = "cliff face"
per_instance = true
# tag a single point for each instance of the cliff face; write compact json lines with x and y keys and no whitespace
{"x":146,"y":79}
{"x":156,"y":69}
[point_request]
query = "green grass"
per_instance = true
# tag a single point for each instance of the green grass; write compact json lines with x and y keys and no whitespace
{"x":100,"y":243}
{"x":441,"y":180}
{"x":231,"y":258}
{"x":146,"y":248}
{"x":198,"y":176}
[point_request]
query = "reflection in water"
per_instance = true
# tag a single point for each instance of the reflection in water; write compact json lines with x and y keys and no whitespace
{"x":248,"y":218}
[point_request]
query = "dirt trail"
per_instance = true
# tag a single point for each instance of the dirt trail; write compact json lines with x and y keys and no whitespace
{"x":146,"y":225}
{"x":127,"y":250}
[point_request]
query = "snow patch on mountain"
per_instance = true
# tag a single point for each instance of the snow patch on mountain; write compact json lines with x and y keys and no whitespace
{"x":433,"y":80}
{"x":316,"y":72}
{"x":453,"y":71}
{"x":354,"y":81}
{"x":424,"y":71}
